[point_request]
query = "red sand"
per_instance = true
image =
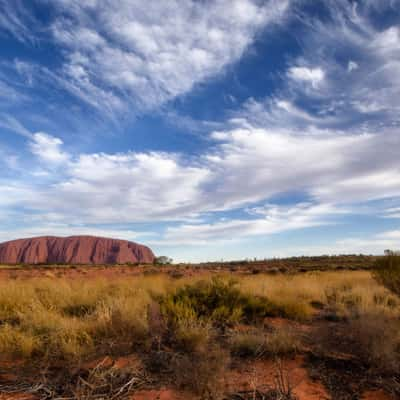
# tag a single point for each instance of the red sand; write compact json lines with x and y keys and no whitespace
{"x":261,"y":375}
{"x":376,"y":395}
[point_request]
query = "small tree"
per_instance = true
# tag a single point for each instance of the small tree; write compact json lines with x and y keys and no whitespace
{"x":387,"y":271}
{"x":163,"y":260}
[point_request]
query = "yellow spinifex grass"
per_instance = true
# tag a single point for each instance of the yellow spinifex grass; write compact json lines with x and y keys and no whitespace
{"x":68,"y":319}
{"x":345,"y":292}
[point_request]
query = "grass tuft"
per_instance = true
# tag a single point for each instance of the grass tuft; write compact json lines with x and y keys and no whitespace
{"x":257,"y":343}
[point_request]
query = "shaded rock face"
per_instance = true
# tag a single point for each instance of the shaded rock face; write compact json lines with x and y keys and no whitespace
{"x":73,"y":250}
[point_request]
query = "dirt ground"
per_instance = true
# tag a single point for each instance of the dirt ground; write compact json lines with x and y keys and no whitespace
{"x":310,"y":379}
{"x":243,"y":379}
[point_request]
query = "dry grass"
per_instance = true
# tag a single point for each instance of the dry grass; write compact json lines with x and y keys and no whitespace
{"x":258,"y":343}
{"x":344,"y":293}
{"x":63,"y":319}
{"x":66,"y":320}
{"x":202,"y":372}
{"x":188,"y":328}
{"x":100,"y":382}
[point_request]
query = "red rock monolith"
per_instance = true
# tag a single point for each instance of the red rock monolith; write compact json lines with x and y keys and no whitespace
{"x":73,"y":250}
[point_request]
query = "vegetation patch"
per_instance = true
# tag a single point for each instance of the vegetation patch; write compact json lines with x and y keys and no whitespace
{"x":217,"y":302}
{"x":258,"y":343}
{"x":387,"y":272}
{"x":186,"y":331}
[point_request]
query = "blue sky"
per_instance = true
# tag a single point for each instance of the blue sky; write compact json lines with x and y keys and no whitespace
{"x":208,"y":130}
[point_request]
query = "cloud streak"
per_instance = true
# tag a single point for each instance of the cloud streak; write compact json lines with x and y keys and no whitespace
{"x":247,"y":165}
{"x":147,"y":55}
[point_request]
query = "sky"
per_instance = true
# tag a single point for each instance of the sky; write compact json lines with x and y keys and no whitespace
{"x":206,"y":129}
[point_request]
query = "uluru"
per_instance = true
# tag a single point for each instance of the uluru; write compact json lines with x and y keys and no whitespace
{"x":73,"y":250}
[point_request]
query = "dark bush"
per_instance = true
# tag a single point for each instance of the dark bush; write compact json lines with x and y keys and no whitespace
{"x":387,"y":272}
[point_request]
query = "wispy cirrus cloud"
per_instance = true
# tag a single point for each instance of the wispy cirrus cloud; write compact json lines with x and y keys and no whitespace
{"x":17,"y":20}
{"x":266,"y":220}
{"x":119,"y":55}
{"x":12,"y":124}
{"x":357,"y":62}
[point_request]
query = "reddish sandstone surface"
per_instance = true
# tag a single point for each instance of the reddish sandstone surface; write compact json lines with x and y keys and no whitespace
{"x":73,"y":250}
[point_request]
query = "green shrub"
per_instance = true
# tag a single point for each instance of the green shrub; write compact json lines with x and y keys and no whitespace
{"x":185,"y":330}
{"x":387,"y":272}
{"x":218,"y":302}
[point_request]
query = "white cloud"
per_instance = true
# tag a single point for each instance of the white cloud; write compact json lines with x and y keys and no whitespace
{"x":314,"y":76}
{"x":131,"y":187}
{"x":127,"y":57}
{"x":364,"y":187}
{"x":392,"y":212}
{"x":388,"y":41}
{"x":375,"y":244}
{"x":54,"y":229}
{"x":108,"y":188}
{"x":353,"y":97}
{"x":271,"y":219}
{"x":352,"y":66}
{"x":148,"y":54}
{"x":14,"y":194}
{"x":283,"y":114}
{"x":395,"y":235}
{"x":246,"y":165}
{"x":48,"y":148}
{"x":255,"y":164}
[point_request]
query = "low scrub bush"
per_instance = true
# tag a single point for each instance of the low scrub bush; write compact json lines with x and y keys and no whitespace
{"x":185,"y":331}
{"x":202,"y":372}
{"x":123,"y":317}
{"x":281,"y":342}
{"x":387,"y":272}
{"x":217,"y":302}
{"x":247,"y":344}
{"x":378,"y":341}
{"x":257,"y":343}
{"x":16,"y":343}
{"x":366,"y":342}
